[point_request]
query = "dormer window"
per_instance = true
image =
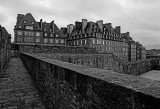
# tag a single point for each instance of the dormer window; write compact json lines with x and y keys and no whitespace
{"x":24,"y":21}
{"x":56,"y":35}
{"x":51,"y":35}
{"x":32,"y":22}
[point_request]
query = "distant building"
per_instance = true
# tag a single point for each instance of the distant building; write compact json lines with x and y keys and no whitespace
{"x":102,"y":37}
{"x":153,"y":52}
{"x":5,"y":47}
{"x":28,"y":30}
{"x":143,"y":53}
{"x":138,"y":54}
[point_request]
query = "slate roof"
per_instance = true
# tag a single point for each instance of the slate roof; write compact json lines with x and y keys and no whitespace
{"x":48,"y":26}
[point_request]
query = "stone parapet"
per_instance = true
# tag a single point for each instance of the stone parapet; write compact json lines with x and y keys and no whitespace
{"x":69,"y":86}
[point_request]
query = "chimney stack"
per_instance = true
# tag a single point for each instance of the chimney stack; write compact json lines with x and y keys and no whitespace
{"x":77,"y":25}
{"x":84,"y":24}
{"x":41,"y":24}
{"x":118,"y":30}
{"x":67,"y":28}
{"x":109,"y":26}
{"x":71,"y":27}
{"x":100,"y":24}
{"x":52,"y":24}
{"x":19,"y":17}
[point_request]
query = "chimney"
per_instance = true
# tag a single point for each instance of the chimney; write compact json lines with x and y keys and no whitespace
{"x":63,"y":29}
{"x":128,"y":34}
{"x":84,"y":24}
{"x":19,"y":17}
{"x":52,"y":26}
{"x":100,"y":24}
{"x":118,"y":30}
{"x":109,"y":26}
{"x":41,"y":24}
{"x":71,"y":27}
{"x":77,"y":25}
{"x":67,"y":28}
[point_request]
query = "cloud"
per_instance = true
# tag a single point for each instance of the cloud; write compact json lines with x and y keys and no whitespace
{"x":139,"y":17}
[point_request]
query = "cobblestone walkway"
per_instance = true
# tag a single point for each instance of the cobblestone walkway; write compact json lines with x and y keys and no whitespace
{"x":17,"y":90}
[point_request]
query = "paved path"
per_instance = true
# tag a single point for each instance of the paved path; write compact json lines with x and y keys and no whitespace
{"x":17,"y":90}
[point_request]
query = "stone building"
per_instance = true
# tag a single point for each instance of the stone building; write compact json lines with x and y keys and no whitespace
{"x":28,"y":30}
{"x":140,"y":52}
{"x":5,"y":47}
{"x":102,"y":37}
{"x":138,"y":46}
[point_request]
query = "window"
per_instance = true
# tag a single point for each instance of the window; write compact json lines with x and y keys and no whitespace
{"x":93,"y":41}
{"x":51,"y":35}
{"x":85,"y":41}
{"x":19,"y":39}
{"x":50,"y":40}
{"x":29,"y":27}
{"x":31,"y":39}
{"x":24,"y":21}
{"x":61,"y":40}
{"x":56,"y":41}
{"x":103,"y":42}
{"x":44,"y":29}
{"x":45,"y":40}
{"x":27,"y":33}
{"x":32,"y":22}
{"x":77,"y":42}
{"x":98,"y":41}
{"x":56,"y":35}
{"x":19,"y":26}
{"x":37,"y":34}
{"x":19,"y":32}
{"x":74,"y":43}
{"x":31,"y":33}
{"x":45,"y":34}
{"x":37,"y":39}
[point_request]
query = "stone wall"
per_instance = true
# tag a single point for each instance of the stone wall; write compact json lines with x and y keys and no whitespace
{"x":106,"y":61}
{"x":5,"y":48}
{"x":69,"y":86}
{"x":103,"y":61}
{"x":92,"y":59}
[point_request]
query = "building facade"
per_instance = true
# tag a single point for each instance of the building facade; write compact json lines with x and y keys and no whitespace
{"x":142,"y":53}
{"x":5,"y":47}
{"x":102,"y":37}
{"x":28,"y":30}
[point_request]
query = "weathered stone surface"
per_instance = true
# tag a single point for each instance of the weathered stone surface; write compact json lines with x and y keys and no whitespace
{"x":69,"y":86}
{"x":106,"y":61}
{"x":17,"y":90}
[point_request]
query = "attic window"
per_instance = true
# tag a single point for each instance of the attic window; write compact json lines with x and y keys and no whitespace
{"x":56,"y":35}
{"x":24,"y":21}
{"x":32,"y":22}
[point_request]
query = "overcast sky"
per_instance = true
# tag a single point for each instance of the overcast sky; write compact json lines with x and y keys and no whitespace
{"x":139,"y":17}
